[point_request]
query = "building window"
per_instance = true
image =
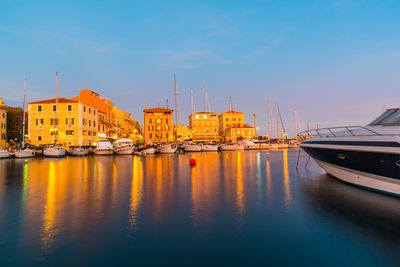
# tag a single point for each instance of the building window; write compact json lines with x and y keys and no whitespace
{"x":94,"y":133}
{"x":37,"y":122}
{"x":70,"y":132}
{"x":41,"y":122}
{"x":39,"y":108}
{"x":84,"y":108}
{"x":69,"y":107}
{"x":83,"y":121}
{"x":72,"y":121}
{"x":94,"y":123}
{"x":54,"y":108}
{"x":4,"y":115}
{"x":160,"y":136}
{"x":84,"y":133}
{"x":66,"y":121}
{"x":197,"y":116}
{"x":227,"y":119}
{"x":151,"y":135}
{"x":166,"y":121}
{"x":158,"y":120}
{"x":150,"y":121}
{"x":39,"y":138}
{"x":3,"y":136}
{"x":90,"y":124}
{"x":89,"y":110}
{"x":94,"y":112}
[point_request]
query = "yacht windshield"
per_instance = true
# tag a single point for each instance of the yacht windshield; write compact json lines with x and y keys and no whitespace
{"x":389,"y":118}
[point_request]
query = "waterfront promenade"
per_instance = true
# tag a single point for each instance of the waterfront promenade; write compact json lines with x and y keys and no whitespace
{"x":233,"y":208}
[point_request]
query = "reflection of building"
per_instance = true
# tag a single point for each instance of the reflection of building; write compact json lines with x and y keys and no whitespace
{"x":105,"y":111}
{"x":182,"y":133}
{"x":158,"y":125}
{"x":228,"y":119}
{"x":3,"y":126}
{"x":77,"y":122}
{"x":204,"y":126}
{"x":238,"y":132}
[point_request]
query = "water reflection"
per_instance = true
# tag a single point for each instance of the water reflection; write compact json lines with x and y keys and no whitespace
{"x":133,"y":207}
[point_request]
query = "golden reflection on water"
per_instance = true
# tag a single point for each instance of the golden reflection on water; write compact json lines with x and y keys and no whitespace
{"x":269,"y":185}
{"x":49,"y":230}
{"x":136,"y":193}
{"x":286,"y":180}
{"x":239,"y":186}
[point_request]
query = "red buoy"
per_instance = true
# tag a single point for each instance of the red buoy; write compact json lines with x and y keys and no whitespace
{"x":192,"y":162}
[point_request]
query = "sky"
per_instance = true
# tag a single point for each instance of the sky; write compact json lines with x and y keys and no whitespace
{"x":337,"y":61}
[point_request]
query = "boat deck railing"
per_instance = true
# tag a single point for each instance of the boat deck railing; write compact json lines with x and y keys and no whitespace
{"x":342,"y":131}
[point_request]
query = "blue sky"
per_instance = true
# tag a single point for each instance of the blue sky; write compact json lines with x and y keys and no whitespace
{"x":338,"y":61}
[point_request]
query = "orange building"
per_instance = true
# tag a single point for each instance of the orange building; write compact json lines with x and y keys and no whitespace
{"x":158,"y":125}
{"x":104,"y":107}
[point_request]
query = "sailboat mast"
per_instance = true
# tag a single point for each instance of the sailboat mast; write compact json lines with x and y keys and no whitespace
{"x":230,"y":103}
{"x":22,"y":136}
{"x":176,"y":113}
{"x":205,"y":98}
{"x":269,"y":119}
{"x":56,"y":121}
{"x":295,"y":122}
{"x":191,"y":99}
{"x":277,"y":121}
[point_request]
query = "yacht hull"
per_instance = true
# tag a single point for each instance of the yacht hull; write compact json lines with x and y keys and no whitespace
{"x":104,"y":152}
{"x":24,"y":154}
{"x":54,"y":153}
{"x":209,"y":148}
{"x":125,"y":150}
{"x":192,"y":148}
{"x":373,"y":170}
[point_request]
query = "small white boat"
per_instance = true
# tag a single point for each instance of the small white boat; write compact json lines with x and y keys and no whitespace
{"x":274,"y":146}
{"x":192,"y":148}
{"x":104,"y":147}
{"x":79,"y":152}
{"x":264,"y":146}
{"x":124,"y":147}
{"x":209,"y":147}
{"x":249,"y":145}
{"x":167,"y":149}
{"x":4,"y":154}
{"x":24,"y":153}
{"x":231,"y":147}
{"x":283,"y":146}
{"x":55,"y":151}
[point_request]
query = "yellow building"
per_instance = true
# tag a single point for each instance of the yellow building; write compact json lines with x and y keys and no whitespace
{"x":125,"y":125}
{"x":182,"y":133}
{"x":229,"y":119}
{"x":238,"y":132}
{"x":3,"y":126}
{"x":158,"y":125}
{"x":77,"y":122}
{"x":204,"y":126}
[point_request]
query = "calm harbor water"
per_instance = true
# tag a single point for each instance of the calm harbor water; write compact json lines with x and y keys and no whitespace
{"x":232,"y":208}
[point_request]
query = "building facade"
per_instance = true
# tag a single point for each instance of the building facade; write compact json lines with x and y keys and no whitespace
{"x":158,"y":125}
{"x":105,"y":115}
{"x":238,"y":132}
{"x":126,"y":126}
{"x":204,"y":126}
{"x":75,"y":123}
{"x":3,"y":128}
{"x":183,"y":133}
{"x":228,"y":119}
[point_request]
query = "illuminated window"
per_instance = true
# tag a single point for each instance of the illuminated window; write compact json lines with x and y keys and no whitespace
{"x":158,"y":120}
{"x":197,"y":116}
{"x":84,"y":133}
{"x":204,"y":116}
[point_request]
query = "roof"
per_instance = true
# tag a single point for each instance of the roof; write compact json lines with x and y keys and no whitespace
{"x":232,"y":111}
{"x":205,"y":112}
{"x":157,"y":109}
{"x":49,"y":101}
{"x":9,"y":108}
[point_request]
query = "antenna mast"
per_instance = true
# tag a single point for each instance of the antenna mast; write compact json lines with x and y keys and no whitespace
{"x":205,"y":98}
{"x":230,"y":103}
{"x":56,"y":122}
{"x":277,"y":121}
{"x":269,"y":119}
{"x":191,"y":99}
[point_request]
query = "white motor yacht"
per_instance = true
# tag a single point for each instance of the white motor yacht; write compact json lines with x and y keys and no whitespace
{"x":167,"y":148}
{"x":54,"y":151}
{"x":24,"y":153}
{"x":4,"y":154}
{"x":149,"y":149}
{"x":124,"y":147}
{"x":367,"y":156}
{"x":209,"y":147}
{"x":231,"y":147}
{"x":249,"y":145}
{"x":104,"y":147}
{"x":192,"y":148}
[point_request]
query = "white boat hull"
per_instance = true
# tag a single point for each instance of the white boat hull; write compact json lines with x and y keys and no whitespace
{"x":151,"y":150}
{"x":104,"y":151}
{"x":362,"y":179}
{"x":52,"y":152}
{"x":25,"y":153}
{"x":4,"y":154}
{"x":209,"y":148}
{"x":124,"y":150}
{"x":231,"y":147}
{"x":264,"y":146}
{"x":167,"y":149}
{"x":192,"y":148}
